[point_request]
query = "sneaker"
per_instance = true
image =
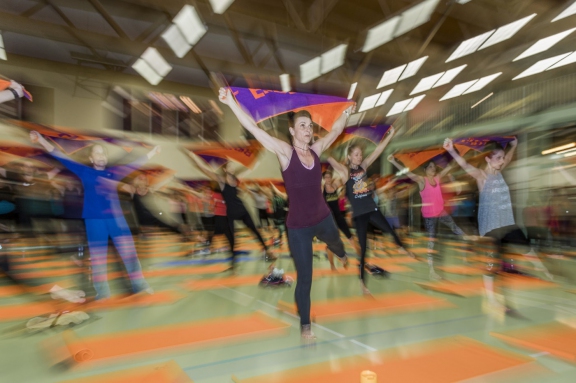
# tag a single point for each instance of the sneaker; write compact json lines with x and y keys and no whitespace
{"x":306,"y":332}
{"x":376,"y":271}
{"x":269,"y":257}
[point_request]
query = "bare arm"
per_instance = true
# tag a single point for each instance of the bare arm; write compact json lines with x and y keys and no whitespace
{"x":8,"y":94}
{"x":283,"y":195}
{"x":324,"y":143}
{"x":128,"y":189}
{"x":276,"y":146}
{"x":445,"y":172}
{"x":206,"y":169}
{"x":471,"y":170}
{"x":379,"y":149}
{"x":340,"y":169}
{"x":416,"y":178}
{"x":510,"y":154}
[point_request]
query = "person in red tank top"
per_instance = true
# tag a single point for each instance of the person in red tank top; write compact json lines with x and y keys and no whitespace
{"x":308,"y":214}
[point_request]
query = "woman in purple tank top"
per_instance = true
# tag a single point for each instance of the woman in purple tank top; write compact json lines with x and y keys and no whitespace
{"x":308,"y":214}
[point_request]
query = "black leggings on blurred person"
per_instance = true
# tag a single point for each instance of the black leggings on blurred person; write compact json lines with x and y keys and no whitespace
{"x":361,"y":223}
{"x":301,"y":249}
{"x":247,"y":220}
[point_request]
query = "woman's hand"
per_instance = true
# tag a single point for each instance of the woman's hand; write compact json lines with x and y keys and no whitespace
{"x":448,"y":145}
{"x":225,"y":96}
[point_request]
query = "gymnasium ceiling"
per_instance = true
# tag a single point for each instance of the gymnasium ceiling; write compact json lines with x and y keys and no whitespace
{"x":255,"y":41}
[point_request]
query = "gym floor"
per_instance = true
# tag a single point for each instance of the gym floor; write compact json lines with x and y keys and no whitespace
{"x":28,"y":356}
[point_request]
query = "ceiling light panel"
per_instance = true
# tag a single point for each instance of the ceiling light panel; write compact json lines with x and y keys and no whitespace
{"x":310,"y":70}
{"x":413,"y":68}
{"x":541,"y":66}
{"x":352,"y":90}
{"x":507,"y":31}
{"x":481,"y":83}
{"x":427,"y":83}
{"x":176,"y":41}
{"x":190,"y":24}
{"x":449,"y":75}
{"x":334,"y":58}
{"x":383,"y":97}
{"x":220,"y":6}
{"x":2,"y":50}
{"x":156,"y":61}
{"x":544,"y":44}
{"x":380,"y":34}
{"x":399,"y":107}
{"x":415,"y":101}
{"x":285,"y":82}
{"x":391,"y":76}
{"x":470,"y":46}
{"x":369,"y":102}
{"x":415,"y":16}
{"x":146,"y":71}
{"x":458,"y":90}
{"x":565,"y":61}
{"x":567,"y":12}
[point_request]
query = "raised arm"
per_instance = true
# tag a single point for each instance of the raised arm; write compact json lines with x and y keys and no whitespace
{"x":70,"y":164}
{"x":508,"y":157}
{"x":339,"y":168}
{"x":474,"y":172}
{"x":416,"y":178}
{"x":12,"y":93}
{"x":379,"y":149}
{"x":276,"y":146}
{"x":324,"y":143}
{"x":283,"y":195}
{"x":445,"y":172}
{"x":205,"y":168}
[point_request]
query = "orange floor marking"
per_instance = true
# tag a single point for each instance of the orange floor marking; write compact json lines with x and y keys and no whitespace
{"x":441,"y":361}
{"x":555,"y":338}
{"x":476,"y":286}
{"x":169,"y":372}
{"x":33,"y":309}
{"x":216,"y":283}
{"x":339,"y":309}
{"x":211,"y":332}
{"x":463,"y":270}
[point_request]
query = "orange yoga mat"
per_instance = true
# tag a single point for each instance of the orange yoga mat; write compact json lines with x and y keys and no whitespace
{"x":169,"y":372}
{"x":211,"y":332}
{"x":29,"y":310}
{"x":339,"y":309}
{"x":233,"y":281}
{"x":50,"y":273}
{"x":555,"y":338}
{"x":441,"y":361}
{"x":476,"y":286}
{"x":463,"y":270}
{"x":44,"y":265}
{"x":196,"y":270}
{"x":11,"y":290}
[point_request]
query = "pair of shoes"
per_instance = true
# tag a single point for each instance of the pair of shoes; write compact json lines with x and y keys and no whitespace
{"x":275,"y":278}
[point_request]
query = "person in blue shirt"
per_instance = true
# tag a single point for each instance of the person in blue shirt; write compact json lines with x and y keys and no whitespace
{"x":102,"y":213}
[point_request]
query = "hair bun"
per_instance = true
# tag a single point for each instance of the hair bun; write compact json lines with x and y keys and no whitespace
{"x":291,"y":114}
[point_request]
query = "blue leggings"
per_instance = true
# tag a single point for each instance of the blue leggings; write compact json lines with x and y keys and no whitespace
{"x":98,"y":231}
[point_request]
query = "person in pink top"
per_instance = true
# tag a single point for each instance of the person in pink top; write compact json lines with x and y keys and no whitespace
{"x":433,"y":210}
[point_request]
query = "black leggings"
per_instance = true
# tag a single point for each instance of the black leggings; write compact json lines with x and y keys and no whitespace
{"x":507,"y":234}
{"x":221,"y":227}
{"x":341,"y":222}
{"x":263,"y":216}
{"x":379,"y":221}
{"x":247,"y":220}
{"x":300,"y":243}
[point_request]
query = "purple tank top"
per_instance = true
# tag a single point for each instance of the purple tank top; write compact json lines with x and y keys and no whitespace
{"x":307,"y":206}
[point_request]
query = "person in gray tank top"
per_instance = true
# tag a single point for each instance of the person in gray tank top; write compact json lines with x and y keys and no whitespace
{"x":495,"y":214}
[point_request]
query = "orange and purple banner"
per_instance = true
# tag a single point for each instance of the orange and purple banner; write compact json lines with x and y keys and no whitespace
{"x":244,"y":154}
{"x":373,"y":133}
{"x":479,"y":143}
{"x":156,"y":174}
{"x":263,"y":104}
{"x":12,"y":151}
